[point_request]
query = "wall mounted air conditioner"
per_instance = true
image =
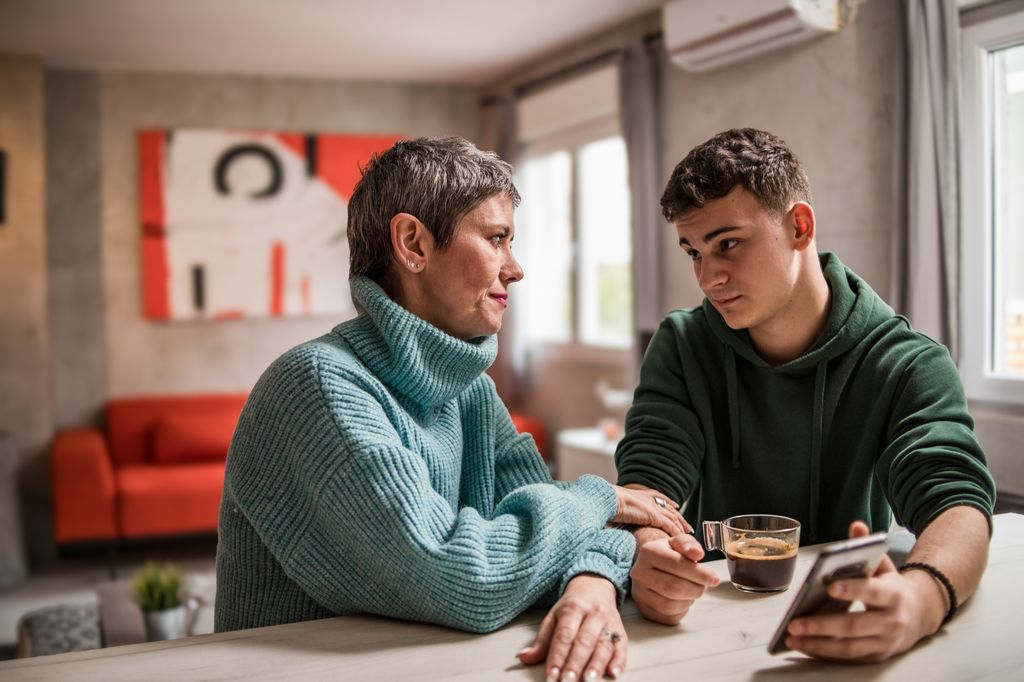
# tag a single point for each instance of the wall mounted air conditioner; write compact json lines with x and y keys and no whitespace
{"x":701,"y":35}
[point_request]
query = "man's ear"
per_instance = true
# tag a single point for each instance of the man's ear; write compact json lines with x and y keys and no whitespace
{"x":411,"y":242}
{"x":802,"y":222}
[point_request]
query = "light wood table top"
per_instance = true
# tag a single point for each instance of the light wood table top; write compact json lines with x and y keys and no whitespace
{"x":724,"y":637}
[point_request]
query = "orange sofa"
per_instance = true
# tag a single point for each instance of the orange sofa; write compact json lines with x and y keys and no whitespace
{"x":157,"y":470}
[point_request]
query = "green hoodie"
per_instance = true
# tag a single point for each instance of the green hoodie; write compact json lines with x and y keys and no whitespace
{"x":872,"y":416}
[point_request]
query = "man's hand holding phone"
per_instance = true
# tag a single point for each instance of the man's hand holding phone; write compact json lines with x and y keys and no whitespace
{"x":900,"y":610}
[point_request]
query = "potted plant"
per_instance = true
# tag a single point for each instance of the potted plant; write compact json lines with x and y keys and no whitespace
{"x":158,"y":591}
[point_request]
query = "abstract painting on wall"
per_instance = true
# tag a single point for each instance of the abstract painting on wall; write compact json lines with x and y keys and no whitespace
{"x":247,"y":223}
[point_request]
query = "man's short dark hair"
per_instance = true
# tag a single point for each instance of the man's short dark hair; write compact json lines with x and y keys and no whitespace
{"x":438,"y":180}
{"x":759,"y":162}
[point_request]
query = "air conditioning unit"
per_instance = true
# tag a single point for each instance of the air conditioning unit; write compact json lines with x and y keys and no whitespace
{"x":701,"y":35}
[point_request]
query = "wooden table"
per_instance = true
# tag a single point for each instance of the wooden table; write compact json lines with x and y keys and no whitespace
{"x":723,"y":638}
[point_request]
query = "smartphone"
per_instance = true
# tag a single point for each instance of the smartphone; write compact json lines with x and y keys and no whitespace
{"x":857,"y":558}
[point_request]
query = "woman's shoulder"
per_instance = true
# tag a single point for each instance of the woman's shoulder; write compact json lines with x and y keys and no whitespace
{"x":324,"y":361}
{"x":320,"y":378}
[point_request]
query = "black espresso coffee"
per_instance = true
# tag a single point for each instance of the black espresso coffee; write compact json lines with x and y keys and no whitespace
{"x":761,"y":564}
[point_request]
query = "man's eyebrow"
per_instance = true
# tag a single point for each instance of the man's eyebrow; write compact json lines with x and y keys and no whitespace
{"x":710,"y":236}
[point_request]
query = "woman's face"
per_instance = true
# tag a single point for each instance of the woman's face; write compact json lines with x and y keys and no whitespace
{"x":465,"y":286}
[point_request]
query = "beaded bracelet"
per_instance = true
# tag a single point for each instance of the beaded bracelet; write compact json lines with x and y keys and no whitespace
{"x":942,"y":579}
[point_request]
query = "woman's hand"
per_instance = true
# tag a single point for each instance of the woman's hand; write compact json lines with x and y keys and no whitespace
{"x":646,"y":507}
{"x":582,"y":635}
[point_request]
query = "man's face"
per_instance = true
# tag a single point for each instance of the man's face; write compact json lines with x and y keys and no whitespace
{"x":744,"y":259}
{"x":467,"y":283}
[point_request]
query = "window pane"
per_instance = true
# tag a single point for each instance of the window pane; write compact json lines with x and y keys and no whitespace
{"x":542,"y":302}
{"x":1008,"y":212}
{"x":605,"y":246}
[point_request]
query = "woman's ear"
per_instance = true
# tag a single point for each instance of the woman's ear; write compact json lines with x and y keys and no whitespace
{"x":802,"y":217}
{"x":411,"y":242}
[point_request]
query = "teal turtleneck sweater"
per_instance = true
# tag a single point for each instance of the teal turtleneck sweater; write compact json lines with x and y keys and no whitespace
{"x":871,"y":419}
{"x":376,"y":470}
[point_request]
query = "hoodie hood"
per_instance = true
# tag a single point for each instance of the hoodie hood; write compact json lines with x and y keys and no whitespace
{"x":853,"y":310}
{"x":853,"y":307}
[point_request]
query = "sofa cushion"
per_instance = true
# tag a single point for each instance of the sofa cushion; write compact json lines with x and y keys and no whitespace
{"x":130,"y":421}
{"x":189,"y":437}
{"x":169,"y":500}
{"x":59,"y":629}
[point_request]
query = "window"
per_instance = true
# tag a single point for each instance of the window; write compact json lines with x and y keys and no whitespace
{"x":992,"y":304}
{"x":574,"y":237}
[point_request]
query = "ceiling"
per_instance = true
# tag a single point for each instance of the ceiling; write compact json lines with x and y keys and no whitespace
{"x":468,"y":42}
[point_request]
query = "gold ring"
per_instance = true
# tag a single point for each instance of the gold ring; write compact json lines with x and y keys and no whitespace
{"x":612,"y":635}
{"x":660,"y":502}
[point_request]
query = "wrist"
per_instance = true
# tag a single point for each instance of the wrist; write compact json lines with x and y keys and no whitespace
{"x":585,"y":581}
{"x":645,"y":534}
{"x":932,"y":597}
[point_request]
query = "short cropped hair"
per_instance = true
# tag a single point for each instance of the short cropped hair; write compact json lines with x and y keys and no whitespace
{"x":759,"y":162}
{"x":438,"y":180}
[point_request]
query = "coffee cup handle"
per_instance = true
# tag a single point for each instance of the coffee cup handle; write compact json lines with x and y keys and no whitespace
{"x":713,"y":536}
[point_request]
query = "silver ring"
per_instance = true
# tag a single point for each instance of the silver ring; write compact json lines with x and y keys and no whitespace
{"x":612,"y":635}
{"x":660,"y":502}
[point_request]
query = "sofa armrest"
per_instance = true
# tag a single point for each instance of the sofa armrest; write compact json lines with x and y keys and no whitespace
{"x":83,"y":487}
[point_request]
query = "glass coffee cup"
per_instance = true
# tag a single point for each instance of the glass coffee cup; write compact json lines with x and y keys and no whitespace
{"x":760,"y":549}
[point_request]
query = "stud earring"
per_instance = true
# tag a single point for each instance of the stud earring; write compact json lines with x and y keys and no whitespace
{"x":413,"y":265}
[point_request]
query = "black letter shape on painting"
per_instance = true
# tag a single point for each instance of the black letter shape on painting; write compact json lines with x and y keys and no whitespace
{"x":198,"y":288}
{"x":220,"y":173}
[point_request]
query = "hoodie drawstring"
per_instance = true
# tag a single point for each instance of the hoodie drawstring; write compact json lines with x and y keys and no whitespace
{"x":817,"y":430}
{"x":732,"y":395}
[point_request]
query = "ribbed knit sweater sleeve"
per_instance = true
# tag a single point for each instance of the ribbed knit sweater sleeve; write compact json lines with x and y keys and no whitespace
{"x":518,"y":463}
{"x":663,"y":446}
{"x":932,"y":460}
{"x":349,"y":505}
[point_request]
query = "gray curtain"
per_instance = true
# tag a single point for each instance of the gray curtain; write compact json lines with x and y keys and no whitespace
{"x":925,"y":266}
{"x":639,"y":95}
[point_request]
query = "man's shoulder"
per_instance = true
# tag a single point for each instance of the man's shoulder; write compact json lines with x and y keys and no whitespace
{"x":894,"y":334}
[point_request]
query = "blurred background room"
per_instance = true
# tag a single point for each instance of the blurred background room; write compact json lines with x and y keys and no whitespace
{"x":173,"y":182}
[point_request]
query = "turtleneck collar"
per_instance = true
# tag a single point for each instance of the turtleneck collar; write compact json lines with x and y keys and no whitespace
{"x":413,"y":357}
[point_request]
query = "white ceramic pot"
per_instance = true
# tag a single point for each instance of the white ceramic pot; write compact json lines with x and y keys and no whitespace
{"x":166,"y":624}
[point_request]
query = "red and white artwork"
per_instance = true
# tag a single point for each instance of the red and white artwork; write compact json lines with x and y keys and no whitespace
{"x":247,"y":223}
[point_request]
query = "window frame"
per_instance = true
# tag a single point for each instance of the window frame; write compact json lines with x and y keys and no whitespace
{"x":572,"y":141}
{"x":976,"y":183}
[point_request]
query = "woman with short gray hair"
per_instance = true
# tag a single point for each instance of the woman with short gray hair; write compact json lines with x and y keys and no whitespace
{"x":375,"y":469}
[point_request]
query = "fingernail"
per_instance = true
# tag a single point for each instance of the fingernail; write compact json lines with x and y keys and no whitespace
{"x":569,"y":676}
{"x":553,"y":675}
{"x":616,"y":671}
{"x":522,"y":651}
{"x":590,"y":676}
{"x":793,"y":642}
{"x":796,"y":628}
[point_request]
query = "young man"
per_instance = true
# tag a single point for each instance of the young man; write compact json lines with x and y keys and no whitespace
{"x":794,"y":389}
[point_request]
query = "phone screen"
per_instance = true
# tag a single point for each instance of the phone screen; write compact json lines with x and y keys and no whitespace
{"x":857,"y":558}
